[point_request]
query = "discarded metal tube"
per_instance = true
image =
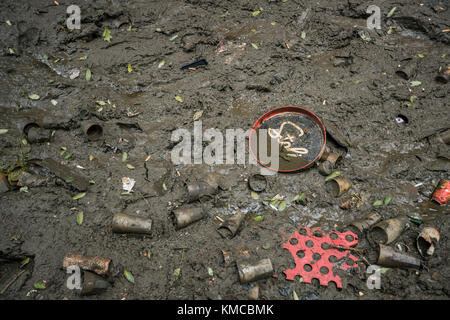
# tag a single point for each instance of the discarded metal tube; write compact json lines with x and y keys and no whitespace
{"x":407,"y":70}
{"x":184,"y":217}
{"x":92,"y":130}
{"x":93,"y":284}
{"x":387,"y":231}
{"x":365,"y":223}
{"x":388,"y":257}
{"x":333,"y":158}
{"x":124,"y":223}
{"x":326,"y":168}
{"x":249,"y":273}
{"x":98,"y":265}
{"x":36,"y":134}
{"x":196,"y":190}
{"x":338,"y":186}
{"x":229,"y":227}
{"x":444,"y":75}
{"x":442,"y":192}
{"x":427,"y":240}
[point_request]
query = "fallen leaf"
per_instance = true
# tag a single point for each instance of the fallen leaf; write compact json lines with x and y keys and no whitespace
{"x":129,"y":166}
{"x":130,"y":68}
{"x":79,"y":196}
{"x":24,"y":262}
{"x":33,"y":96}
{"x":107,"y":35}
{"x":158,"y":30}
{"x":387,"y":200}
{"x":273,"y":23}
{"x":303,"y":36}
{"x":91,"y":182}
{"x":333,"y":175}
{"x":198,"y":115}
{"x":39,"y":285}
{"x":3,"y":131}
{"x":8,"y":23}
{"x":378,"y":203}
{"x":179,"y":99}
{"x":161,"y":64}
{"x":124,"y":156}
{"x":80,"y":218}
{"x":82,"y":58}
{"x":255,"y":13}
{"x":223,"y":15}
{"x":68,"y":156}
{"x":128,"y":275}
{"x":164,"y":187}
{"x":210,"y":272}
{"x":23,"y":189}
{"x":254,"y":195}
{"x":100,"y":102}
{"x":295,"y":295}
{"x":282,"y":205}
{"x":69,"y":179}
{"x":415,"y":83}
{"x":258,"y":218}
{"x":173,"y":38}
{"x":149,"y":254}
{"x":421,"y":55}
{"x":24,"y":142}
{"x":88,"y":75}
{"x":177,"y":272}
{"x":391,"y":12}
{"x":91,"y":158}
{"x":255,"y":46}
{"x":11,"y":51}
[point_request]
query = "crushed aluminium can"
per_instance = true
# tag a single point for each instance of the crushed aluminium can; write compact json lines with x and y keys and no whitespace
{"x":442,"y":192}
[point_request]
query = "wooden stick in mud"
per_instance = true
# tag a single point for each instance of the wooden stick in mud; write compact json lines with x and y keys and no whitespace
{"x":12,"y":281}
{"x":346,"y":248}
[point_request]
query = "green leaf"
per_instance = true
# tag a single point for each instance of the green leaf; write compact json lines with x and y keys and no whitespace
{"x":255,"y":13}
{"x":3,"y":131}
{"x":387,"y":200}
{"x":258,"y":218}
{"x":68,"y":156}
{"x":24,"y":142}
{"x":177,"y":272}
{"x":33,"y":96}
{"x":332,"y":176}
{"x":224,"y":15}
{"x":79,"y":196}
{"x":107,"y":35}
{"x":421,"y":55}
{"x":303,"y":36}
{"x":128,"y":275}
{"x":91,"y":182}
{"x":391,"y":12}
{"x":23,"y":189}
{"x":100,"y":102}
{"x":130,"y":68}
{"x":82,"y":58}
{"x":129,"y":166}
{"x":164,"y":187}
{"x":124,"y":156}
{"x":282,"y":205}
{"x":80,"y":218}
{"x":24,"y":262}
{"x":273,"y":23}
{"x":266,"y":246}
{"x":210,"y":272}
{"x":412,"y":98}
{"x":39,"y":285}
{"x":255,"y":46}
{"x":179,"y":99}
{"x":69,"y":179}
{"x":158,"y":30}
{"x":198,"y":115}
{"x":173,"y":38}
{"x":161,"y":64}
{"x":377,"y":203}
{"x":8,"y":23}
{"x":149,"y":254}
{"x":295,"y":295}
{"x":415,"y":83}
{"x":384,"y":270}
{"x":88,"y":75}
{"x":254,"y":195}
{"x":11,"y":51}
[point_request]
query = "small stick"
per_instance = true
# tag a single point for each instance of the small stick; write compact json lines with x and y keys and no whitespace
{"x":345,"y":248}
{"x":12,"y":281}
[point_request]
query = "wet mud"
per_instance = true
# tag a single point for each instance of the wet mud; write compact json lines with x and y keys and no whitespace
{"x":313,"y":54}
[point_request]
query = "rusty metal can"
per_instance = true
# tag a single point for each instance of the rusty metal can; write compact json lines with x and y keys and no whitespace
{"x":93,"y":284}
{"x":230,"y":226}
{"x":92,"y":130}
{"x":337,"y":186}
{"x":96,"y":264}
{"x":442,"y":192}
{"x":248,"y":273}
{"x":333,"y":158}
{"x":427,"y":241}
{"x":368,"y":221}
{"x":124,"y":223}
{"x":388,"y":230}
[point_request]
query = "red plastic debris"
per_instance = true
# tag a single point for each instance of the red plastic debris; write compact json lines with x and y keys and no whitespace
{"x":315,"y":259}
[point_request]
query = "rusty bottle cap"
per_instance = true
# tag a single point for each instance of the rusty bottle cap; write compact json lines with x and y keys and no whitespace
{"x":427,"y":240}
{"x":93,"y":284}
{"x":388,"y":257}
{"x":186,"y":216}
{"x":248,"y":273}
{"x":338,"y":185}
{"x":98,"y":265}
{"x":388,"y":230}
{"x":124,"y":223}
{"x":92,"y":130}
{"x":230,"y":226}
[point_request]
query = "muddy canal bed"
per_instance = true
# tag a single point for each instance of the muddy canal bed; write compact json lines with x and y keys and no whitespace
{"x":260,"y":55}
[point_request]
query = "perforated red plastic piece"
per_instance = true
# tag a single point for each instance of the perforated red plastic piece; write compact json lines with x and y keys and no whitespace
{"x":307,"y":250}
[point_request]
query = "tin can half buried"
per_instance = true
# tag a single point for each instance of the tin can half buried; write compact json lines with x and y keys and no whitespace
{"x":287,"y":139}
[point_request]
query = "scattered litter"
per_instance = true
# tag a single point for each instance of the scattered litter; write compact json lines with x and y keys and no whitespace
{"x":74,"y":74}
{"x":387,"y":231}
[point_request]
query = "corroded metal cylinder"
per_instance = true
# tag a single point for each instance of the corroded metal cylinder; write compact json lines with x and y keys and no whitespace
{"x":388,"y":230}
{"x":248,"y":273}
{"x":427,"y":240}
{"x":124,"y":223}
{"x":230,"y":226}
{"x":96,"y":264}
{"x":337,"y":186}
{"x":388,"y":257}
{"x":444,"y":75}
{"x":184,"y":217}
{"x":92,"y":130}
{"x":93,"y":284}
{"x":368,"y":221}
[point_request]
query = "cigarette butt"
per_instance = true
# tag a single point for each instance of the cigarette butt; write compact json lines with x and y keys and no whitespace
{"x":287,"y":46}
{"x":148,"y":157}
{"x":219,"y":218}
{"x":192,"y":69}
{"x":446,"y":30}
